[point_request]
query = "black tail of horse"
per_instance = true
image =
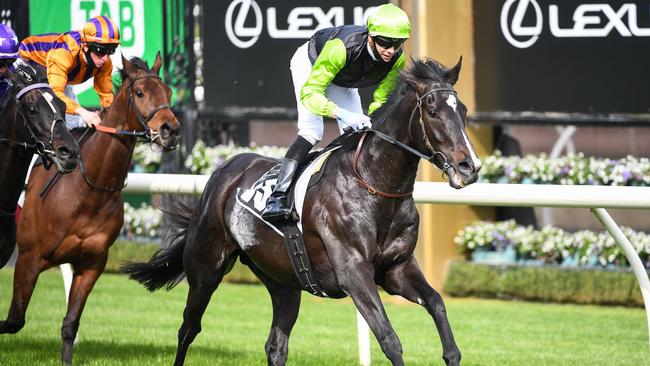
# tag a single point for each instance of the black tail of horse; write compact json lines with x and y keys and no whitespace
{"x":165,"y":268}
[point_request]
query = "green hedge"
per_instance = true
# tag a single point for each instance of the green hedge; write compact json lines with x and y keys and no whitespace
{"x":548,"y":284}
{"x":123,"y":251}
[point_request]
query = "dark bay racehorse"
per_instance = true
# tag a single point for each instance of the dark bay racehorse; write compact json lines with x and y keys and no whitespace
{"x":81,"y":215}
{"x":31,"y":121}
{"x":355,"y":240}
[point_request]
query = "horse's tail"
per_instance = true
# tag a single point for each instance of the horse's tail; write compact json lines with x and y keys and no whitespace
{"x":165,"y":268}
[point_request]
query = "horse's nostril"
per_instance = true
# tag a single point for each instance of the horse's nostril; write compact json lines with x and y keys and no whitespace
{"x":465,"y":167}
{"x":165,"y":130}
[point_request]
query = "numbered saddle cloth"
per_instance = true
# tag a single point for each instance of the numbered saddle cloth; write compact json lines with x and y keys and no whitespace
{"x":254,"y":198}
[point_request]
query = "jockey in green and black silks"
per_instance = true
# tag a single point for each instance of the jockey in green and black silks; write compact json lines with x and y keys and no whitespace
{"x":326,"y":73}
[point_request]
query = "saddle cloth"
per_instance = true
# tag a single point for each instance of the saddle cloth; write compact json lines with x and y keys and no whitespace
{"x":254,"y":198}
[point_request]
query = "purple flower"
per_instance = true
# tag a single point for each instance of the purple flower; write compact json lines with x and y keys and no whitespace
{"x":627,"y":175}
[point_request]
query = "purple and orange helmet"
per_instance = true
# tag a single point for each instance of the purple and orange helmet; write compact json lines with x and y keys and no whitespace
{"x":100,"y":30}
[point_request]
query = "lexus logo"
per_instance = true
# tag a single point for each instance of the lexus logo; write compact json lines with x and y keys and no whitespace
{"x":237,"y":32}
{"x":527,"y":36}
{"x":588,"y":21}
{"x":245,"y":21}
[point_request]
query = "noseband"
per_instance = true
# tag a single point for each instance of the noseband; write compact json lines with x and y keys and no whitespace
{"x":43,"y":148}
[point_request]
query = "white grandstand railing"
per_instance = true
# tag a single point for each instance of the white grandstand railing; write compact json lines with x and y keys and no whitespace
{"x":596,"y":198}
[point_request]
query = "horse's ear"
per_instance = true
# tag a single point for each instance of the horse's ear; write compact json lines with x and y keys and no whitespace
{"x":128,"y":66}
{"x":452,"y":74}
{"x":157,"y":63}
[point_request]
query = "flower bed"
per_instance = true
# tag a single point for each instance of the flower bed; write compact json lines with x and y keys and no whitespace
{"x":205,"y":159}
{"x":141,"y":224}
{"x":202,"y":159}
{"x":571,"y":169}
{"x":551,"y":245}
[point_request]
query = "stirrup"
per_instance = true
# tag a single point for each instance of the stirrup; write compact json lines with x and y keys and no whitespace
{"x":277,"y":211}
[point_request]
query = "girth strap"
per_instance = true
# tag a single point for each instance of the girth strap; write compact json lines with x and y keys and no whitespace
{"x":295,"y":244}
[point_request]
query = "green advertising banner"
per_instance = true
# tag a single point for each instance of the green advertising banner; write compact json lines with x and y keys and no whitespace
{"x":140,"y":23}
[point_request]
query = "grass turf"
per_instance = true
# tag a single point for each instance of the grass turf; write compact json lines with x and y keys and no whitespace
{"x":125,"y":325}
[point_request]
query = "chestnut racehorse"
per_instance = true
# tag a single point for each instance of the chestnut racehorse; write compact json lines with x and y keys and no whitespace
{"x":80,"y":215}
{"x":360,"y":223}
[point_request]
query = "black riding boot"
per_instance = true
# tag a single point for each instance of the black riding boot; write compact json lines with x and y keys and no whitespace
{"x":276,"y":206}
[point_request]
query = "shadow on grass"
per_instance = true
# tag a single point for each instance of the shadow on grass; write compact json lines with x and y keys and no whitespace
{"x":42,"y":351}
{"x":22,"y":351}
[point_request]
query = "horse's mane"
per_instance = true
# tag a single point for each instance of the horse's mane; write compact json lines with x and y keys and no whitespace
{"x":425,"y":69}
{"x":138,"y":62}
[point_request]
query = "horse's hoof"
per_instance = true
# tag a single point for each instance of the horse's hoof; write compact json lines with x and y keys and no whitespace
{"x":8,"y":327}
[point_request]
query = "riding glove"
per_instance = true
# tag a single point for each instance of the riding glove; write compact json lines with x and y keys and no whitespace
{"x":357,"y":121}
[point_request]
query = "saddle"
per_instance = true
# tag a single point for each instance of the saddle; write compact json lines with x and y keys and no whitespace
{"x":254,"y":200}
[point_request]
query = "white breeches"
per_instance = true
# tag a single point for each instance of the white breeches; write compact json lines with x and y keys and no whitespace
{"x":73,"y":120}
{"x":310,"y":125}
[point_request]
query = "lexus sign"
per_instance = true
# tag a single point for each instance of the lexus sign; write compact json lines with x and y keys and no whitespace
{"x":586,"y":56}
{"x":596,"y":20}
{"x":249,"y":44}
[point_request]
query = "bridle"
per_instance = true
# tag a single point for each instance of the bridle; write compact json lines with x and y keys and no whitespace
{"x":44,"y":148}
{"x":418,"y":106}
{"x":444,"y":167}
{"x":147,"y":134}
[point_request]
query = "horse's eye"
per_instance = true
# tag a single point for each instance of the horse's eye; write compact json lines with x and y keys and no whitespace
{"x":31,"y":110}
{"x":432,"y":113}
{"x":139,"y":93}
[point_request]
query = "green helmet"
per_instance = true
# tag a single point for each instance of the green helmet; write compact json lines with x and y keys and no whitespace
{"x":389,"y":21}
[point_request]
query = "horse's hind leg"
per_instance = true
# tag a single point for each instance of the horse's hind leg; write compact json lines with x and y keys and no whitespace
{"x":204,"y":273}
{"x":286,"y":304}
{"x":84,"y":279}
{"x":25,"y":276}
{"x":406,"y":279}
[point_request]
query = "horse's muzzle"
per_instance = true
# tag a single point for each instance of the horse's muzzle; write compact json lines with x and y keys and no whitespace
{"x":170,"y":135}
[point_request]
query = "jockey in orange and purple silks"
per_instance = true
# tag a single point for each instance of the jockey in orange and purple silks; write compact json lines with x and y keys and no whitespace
{"x":74,"y":57}
{"x":8,"y":55}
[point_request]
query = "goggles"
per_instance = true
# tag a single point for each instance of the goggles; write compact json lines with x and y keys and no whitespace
{"x":102,"y":50}
{"x":385,"y":42}
{"x":6,"y":62}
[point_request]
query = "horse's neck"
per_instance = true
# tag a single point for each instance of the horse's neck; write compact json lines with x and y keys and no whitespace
{"x":386,"y":166}
{"x":106,"y":156}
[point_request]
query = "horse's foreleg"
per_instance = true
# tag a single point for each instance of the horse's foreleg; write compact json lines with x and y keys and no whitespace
{"x":406,"y":279}
{"x":286,"y":304}
{"x":25,"y":277}
{"x":7,"y":239}
{"x":357,"y":280}
{"x":83,"y":281}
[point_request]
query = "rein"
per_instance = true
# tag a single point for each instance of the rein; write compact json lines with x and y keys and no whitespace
{"x":430,"y":158}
